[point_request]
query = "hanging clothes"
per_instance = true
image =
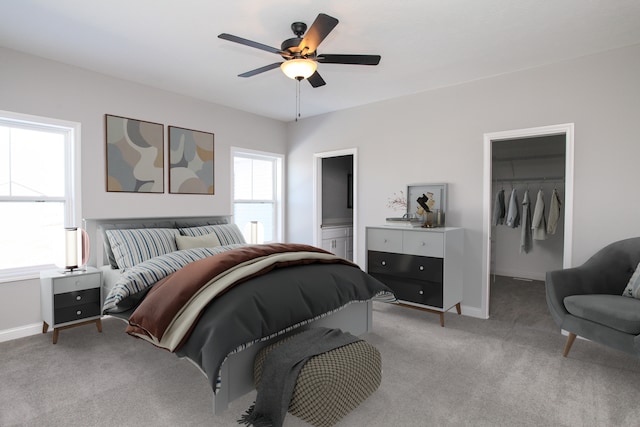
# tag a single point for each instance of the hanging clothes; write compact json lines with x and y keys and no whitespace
{"x":513,"y":214}
{"x":499,"y":210}
{"x":539,"y":222}
{"x":526,"y":242}
{"x":554,"y":212}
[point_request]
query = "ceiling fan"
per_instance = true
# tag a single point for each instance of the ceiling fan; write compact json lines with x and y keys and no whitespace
{"x":299,"y":54}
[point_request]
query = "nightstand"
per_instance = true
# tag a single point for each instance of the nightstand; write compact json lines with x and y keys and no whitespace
{"x":70,"y":299}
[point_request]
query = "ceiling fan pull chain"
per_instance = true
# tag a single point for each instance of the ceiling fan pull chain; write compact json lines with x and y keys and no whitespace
{"x":297,"y":99}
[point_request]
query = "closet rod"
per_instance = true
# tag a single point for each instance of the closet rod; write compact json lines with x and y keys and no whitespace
{"x":532,"y":179}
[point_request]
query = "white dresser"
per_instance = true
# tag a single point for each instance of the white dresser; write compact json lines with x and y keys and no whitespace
{"x":423,"y":266}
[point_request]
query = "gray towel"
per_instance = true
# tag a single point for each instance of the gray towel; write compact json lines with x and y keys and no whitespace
{"x":280,"y":373}
{"x":499,"y":210}
{"x":525,"y":235}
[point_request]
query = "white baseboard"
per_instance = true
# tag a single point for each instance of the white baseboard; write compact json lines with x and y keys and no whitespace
{"x":20,"y":332}
{"x":472,"y":312}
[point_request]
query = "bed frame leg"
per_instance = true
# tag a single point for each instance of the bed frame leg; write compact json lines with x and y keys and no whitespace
{"x":221,"y":398}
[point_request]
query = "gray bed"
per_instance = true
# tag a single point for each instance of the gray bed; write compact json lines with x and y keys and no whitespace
{"x":335,"y":295}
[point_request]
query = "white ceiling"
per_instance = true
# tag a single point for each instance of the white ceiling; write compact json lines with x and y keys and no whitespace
{"x":424,"y":44}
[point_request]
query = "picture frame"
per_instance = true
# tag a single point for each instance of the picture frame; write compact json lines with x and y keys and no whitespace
{"x":437,"y":193}
{"x":134,"y":155}
{"x":191,"y":161}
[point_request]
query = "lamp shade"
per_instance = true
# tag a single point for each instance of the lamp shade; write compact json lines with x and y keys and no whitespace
{"x":299,"y":68}
{"x":71,"y":248}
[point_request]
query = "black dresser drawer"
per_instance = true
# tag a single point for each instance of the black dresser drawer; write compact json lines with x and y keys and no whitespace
{"x":419,"y":292}
{"x":405,"y":266}
{"x":78,"y":312}
{"x":75,"y":298}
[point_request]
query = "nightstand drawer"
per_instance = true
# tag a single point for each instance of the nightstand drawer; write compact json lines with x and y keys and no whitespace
{"x":72,"y":299}
{"x":79,"y":312}
{"x":75,"y":283}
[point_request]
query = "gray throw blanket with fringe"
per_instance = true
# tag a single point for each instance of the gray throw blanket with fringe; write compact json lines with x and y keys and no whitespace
{"x":280,"y":373}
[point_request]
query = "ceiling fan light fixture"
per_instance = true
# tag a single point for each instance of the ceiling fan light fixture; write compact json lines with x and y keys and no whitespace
{"x":299,"y":69}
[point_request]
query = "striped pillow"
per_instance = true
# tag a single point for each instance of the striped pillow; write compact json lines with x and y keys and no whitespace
{"x":228,"y":234}
{"x":147,"y":273}
{"x":133,"y":246}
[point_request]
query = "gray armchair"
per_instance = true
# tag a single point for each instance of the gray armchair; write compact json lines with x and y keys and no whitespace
{"x":587,"y":301}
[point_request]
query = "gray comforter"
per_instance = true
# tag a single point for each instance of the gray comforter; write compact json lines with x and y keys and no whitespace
{"x":270,"y":304}
{"x":267,"y":305}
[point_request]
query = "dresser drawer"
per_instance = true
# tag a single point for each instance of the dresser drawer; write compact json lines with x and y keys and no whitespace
{"x":418,"y":292}
{"x":79,"y":312}
{"x":76,"y":283}
{"x":384,"y":240}
{"x":424,"y":243}
{"x":424,"y":268}
{"x":71,"y":299}
{"x":405,"y":266}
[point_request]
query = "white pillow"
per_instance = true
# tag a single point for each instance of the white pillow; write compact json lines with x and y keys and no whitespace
{"x":133,"y":246}
{"x":192,"y":242}
{"x":633,"y":287}
{"x":228,"y":234}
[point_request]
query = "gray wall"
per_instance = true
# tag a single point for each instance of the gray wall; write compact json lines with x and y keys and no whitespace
{"x":445,"y":128}
{"x":32,"y":85}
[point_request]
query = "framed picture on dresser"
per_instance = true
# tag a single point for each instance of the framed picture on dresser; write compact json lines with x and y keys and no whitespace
{"x":433,"y":196}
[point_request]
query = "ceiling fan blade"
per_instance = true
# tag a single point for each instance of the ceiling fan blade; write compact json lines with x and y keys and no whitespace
{"x":349,"y":59}
{"x":260,"y":70}
{"x":316,"y":80}
{"x":320,"y":29}
{"x":249,"y":43}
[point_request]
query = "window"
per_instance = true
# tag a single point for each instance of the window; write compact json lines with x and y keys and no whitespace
{"x":36,"y":192}
{"x":257,"y":195}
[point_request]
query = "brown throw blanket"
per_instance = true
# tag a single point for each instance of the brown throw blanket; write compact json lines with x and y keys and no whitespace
{"x":172,"y":307}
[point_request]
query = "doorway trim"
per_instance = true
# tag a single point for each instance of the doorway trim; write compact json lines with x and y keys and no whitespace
{"x":317,"y":195}
{"x":566,"y":129}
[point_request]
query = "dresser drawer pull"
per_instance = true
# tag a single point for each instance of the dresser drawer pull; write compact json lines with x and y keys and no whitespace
{"x":421,"y":267}
{"x":421,"y":292}
{"x":79,"y":312}
{"x":79,"y":297}
{"x":384,"y":263}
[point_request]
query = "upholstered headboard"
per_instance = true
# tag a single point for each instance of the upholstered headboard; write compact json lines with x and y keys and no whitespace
{"x":96,"y":228}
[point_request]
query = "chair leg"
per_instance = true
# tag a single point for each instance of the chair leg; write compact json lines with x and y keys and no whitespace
{"x":570,"y":339}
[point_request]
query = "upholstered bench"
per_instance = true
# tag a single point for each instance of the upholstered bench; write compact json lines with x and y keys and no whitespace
{"x":331,"y":384}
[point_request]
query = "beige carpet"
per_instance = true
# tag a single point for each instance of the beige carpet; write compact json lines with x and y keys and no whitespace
{"x":505,"y":371}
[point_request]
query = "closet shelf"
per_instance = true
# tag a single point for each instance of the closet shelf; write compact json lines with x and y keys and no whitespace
{"x":532,"y":179}
{"x":532,"y":158}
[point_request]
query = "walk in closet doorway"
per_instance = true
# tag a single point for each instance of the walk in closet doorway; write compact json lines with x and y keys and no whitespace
{"x":525,"y":240}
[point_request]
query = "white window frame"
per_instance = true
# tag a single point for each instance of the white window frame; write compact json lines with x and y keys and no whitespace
{"x":72,"y":197}
{"x":278,"y":183}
